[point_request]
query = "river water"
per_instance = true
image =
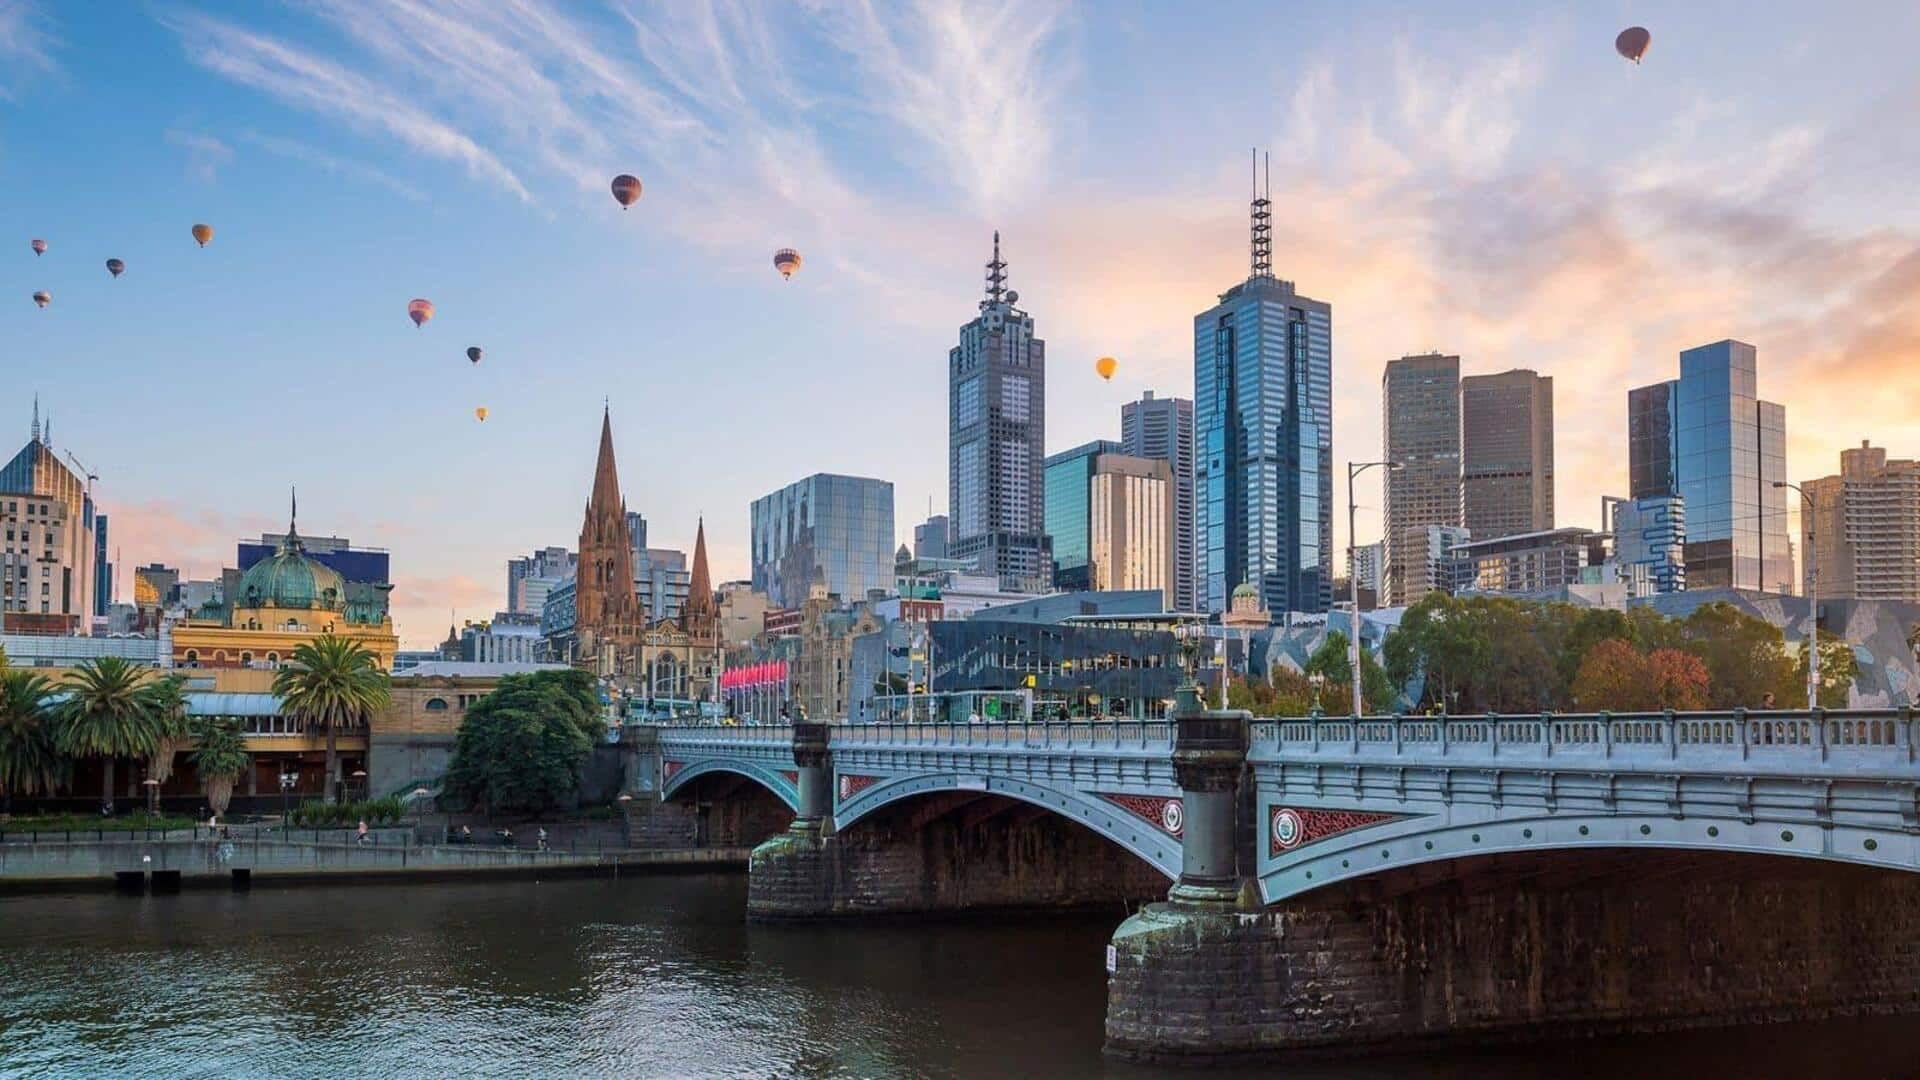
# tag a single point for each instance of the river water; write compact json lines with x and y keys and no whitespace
{"x":649,"y":977}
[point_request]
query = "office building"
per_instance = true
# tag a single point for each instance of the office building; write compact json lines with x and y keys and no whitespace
{"x":840,"y":525}
{"x":996,"y":439}
{"x":1649,"y":544}
{"x":1506,"y":454}
{"x":661,"y":582}
{"x":1364,"y":563}
{"x":508,"y":638}
{"x":1263,"y":440}
{"x":1861,"y":535}
{"x":1131,"y":526}
{"x":1426,"y":554}
{"x":51,"y":510}
{"x":531,"y":577}
{"x":930,"y":538}
{"x":1707,"y":438}
{"x":1069,"y":476}
{"x":1162,"y":429}
{"x":1528,"y":563}
{"x":1420,"y":422}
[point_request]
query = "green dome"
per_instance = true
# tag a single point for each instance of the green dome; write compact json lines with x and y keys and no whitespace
{"x":288,"y":579}
{"x":1245,"y":591}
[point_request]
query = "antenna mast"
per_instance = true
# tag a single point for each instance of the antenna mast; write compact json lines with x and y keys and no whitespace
{"x":996,"y":274}
{"x":1262,"y":219}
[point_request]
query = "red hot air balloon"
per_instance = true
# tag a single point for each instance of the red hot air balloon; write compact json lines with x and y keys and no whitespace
{"x":1633,"y":42}
{"x":39,"y":247}
{"x":420,"y":311}
{"x":626,"y":190}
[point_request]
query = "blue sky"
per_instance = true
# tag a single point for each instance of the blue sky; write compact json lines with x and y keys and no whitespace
{"x":1497,"y":184}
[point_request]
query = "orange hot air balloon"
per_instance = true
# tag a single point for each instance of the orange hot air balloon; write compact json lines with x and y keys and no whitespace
{"x":116,"y":267}
{"x":626,"y":190}
{"x":475,"y":352}
{"x":42,"y":298}
{"x":1633,"y":43}
{"x":203,"y":234}
{"x":39,"y":247}
{"x":786,"y":260}
{"x":1106,"y":366}
{"x":420,"y":311}
{"x":481,"y":414}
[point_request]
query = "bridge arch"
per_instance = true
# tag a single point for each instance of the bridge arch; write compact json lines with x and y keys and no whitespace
{"x":681,"y":774}
{"x":1148,"y":841}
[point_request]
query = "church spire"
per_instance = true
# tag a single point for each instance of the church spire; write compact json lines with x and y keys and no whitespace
{"x":606,"y":476}
{"x":699,"y":603}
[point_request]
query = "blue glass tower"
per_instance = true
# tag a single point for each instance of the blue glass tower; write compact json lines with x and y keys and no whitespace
{"x":1263,"y":439}
{"x":1069,"y":481}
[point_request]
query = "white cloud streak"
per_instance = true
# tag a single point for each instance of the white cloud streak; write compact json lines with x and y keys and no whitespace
{"x":332,"y":164}
{"x":26,"y":47}
{"x":205,"y":154}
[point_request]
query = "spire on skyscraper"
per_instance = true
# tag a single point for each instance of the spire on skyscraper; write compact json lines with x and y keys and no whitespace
{"x":35,"y":435}
{"x":1262,"y":219}
{"x":996,"y":274}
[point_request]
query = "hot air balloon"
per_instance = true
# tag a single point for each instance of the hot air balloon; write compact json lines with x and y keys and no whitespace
{"x":420,"y":311}
{"x":786,"y":260}
{"x":481,"y":414}
{"x":1106,"y":366}
{"x":116,"y":267}
{"x":42,"y":298}
{"x":475,"y":352}
{"x":1632,"y":43}
{"x":626,"y":190}
{"x":202,"y":234}
{"x":39,"y":247}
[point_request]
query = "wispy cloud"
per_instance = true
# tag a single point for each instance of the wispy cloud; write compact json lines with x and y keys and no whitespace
{"x":26,"y":47}
{"x":332,"y":164}
{"x":205,"y":154}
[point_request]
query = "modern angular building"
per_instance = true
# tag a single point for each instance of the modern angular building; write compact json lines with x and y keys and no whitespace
{"x":1707,"y":438}
{"x":1506,"y":454}
{"x":842,"y":525}
{"x":1420,"y":429}
{"x":1649,"y":544}
{"x":1861,"y":535}
{"x":1162,"y":429}
{"x":996,"y":439}
{"x":1111,"y":517}
{"x":1263,"y":440}
{"x":47,"y":563}
{"x":1069,"y":476}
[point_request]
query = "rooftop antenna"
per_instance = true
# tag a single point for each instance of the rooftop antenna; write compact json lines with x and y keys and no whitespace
{"x":36,"y":417}
{"x":996,"y":274}
{"x":1262,"y":219}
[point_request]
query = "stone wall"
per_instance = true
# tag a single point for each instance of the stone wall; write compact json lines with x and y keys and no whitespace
{"x":1556,"y":945}
{"x":717,"y":811}
{"x":946,"y":853}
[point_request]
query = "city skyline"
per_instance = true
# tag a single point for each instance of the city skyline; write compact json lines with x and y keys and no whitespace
{"x":1435,"y":208}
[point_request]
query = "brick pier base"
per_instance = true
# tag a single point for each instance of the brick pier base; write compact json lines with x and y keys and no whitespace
{"x":1517,"y":950}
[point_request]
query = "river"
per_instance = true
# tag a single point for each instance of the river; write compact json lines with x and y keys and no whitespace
{"x":648,"y":977}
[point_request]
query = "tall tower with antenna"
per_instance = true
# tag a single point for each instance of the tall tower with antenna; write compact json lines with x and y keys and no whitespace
{"x":1263,"y":435}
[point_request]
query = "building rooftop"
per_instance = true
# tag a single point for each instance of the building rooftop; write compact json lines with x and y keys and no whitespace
{"x":473,"y":669}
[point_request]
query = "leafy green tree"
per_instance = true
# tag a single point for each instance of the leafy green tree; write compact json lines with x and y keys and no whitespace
{"x":1332,"y":660}
{"x":220,"y":758}
{"x":1746,"y":657}
{"x":30,"y":761}
{"x":1440,"y":641}
{"x":1286,"y":693}
{"x":1838,"y":669}
{"x":522,"y":746}
{"x":108,"y":714}
{"x":332,"y":682}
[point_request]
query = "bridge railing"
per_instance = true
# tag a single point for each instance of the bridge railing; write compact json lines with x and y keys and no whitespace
{"x":1115,"y":734}
{"x":1888,"y":734}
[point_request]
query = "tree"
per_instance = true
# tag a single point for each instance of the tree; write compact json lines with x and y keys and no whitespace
{"x":220,"y":758}
{"x":1333,"y":661}
{"x":1613,"y":678}
{"x":30,"y":761}
{"x":332,"y":682}
{"x":1838,"y":668}
{"x":1285,"y":693}
{"x":1746,"y":657}
{"x":108,"y":715}
{"x":1440,"y":642}
{"x":1679,"y":679}
{"x":167,"y":700}
{"x":522,"y":746}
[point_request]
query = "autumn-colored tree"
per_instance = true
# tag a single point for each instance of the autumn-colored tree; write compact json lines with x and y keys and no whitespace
{"x":1613,"y":677}
{"x":1679,"y":679}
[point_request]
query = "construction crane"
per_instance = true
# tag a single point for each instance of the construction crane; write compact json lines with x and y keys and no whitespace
{"x":84,"y":471}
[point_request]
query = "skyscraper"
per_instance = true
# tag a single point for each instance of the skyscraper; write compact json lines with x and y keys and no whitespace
{"x":49,"y":588}
{"x":841,"y":525}
{"x":1263,"y":440}
{"x":1506,"y":454}
{"x":1130,"y":509}
{"x":1861,"y":536}
{"x":997,"y":428}
{"x":1708,"y":438}
{"x":1420,"y":425}
{"x":102,"y":568}
{"x":1162,"y":429}
{"x":1069,"y":476}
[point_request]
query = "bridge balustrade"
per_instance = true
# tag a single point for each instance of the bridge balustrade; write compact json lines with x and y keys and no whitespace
{"x":1104,"y":734}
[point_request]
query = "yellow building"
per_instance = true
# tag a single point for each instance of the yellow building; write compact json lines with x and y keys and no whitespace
{"x":280,"y":603}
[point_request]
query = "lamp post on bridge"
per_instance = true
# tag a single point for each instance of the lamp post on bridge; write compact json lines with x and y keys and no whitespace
{"x":1354,"y":469}
{"x":1209,"y":755}
{"x":1813,"y":596}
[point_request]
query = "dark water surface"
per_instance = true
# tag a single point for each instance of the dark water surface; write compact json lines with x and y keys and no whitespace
{"x":650,"y":977}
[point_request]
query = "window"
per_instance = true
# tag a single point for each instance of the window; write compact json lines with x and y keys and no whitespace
{"x":193,"y":658}
{"x":435,"y":704}
{"x":246,"y":659}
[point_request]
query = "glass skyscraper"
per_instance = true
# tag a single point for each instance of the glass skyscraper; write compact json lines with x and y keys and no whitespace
{"x":841,"y":524}
{"x":1263,"y":440}
{"x":1162,"y":429}
{"x":1069,"y":477}
{"x":1707,"y":438}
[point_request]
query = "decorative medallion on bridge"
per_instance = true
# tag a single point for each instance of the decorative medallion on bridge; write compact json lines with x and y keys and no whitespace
{"x":851,"y":785}
{"x":792,"y":776}
{"x":1165,"y":812}
{"x":667,"y":769}
{"x":1290,"y":828}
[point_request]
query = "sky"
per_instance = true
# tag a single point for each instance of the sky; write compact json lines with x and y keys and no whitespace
{"x":1495,"y":183}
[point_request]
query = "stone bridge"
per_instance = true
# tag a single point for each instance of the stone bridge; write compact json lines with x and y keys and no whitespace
{"x":1342,"y":883}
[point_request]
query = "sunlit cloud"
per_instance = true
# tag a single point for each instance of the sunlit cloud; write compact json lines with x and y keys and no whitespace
{"x":332,"y":164}
{"x":205,"y":154}
{"x":26,"y":46}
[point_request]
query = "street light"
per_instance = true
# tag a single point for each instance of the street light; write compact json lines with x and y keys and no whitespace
{"x":1353,"y":577}
{"x":1813,"y":596}
{"x":360,"y":781}
{"x":287,"y":780}
{"x":153,"y":796}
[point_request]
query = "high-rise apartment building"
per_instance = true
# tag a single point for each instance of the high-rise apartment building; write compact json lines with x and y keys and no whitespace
{"x":1069,"y":476}
{"x":1263,"y":440}
{"x":1708,"y":438}
{"x":1420,"y":425}
{"x":996,"y":439}
{"x":1506,"y":454}
{"x":531,"y":577}
{"x":1162,"y":429}
{"x":842,"y":525}
{"x":1861,"y":533}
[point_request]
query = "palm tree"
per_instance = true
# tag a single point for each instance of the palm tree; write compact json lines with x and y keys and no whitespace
{"x":167,"y":701}
{"x":220,"y":759}
{"x":30,"y":762}
{"x":108,"y":714}
{"x":332,"y":682}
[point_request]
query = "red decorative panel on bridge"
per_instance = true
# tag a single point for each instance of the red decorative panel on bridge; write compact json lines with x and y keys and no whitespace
{"x":792,"y":776}
{"x":851,"y":785}
{"x":667,"y":769}
{"x":1165,"y":812}
{"x":1288,"y":828}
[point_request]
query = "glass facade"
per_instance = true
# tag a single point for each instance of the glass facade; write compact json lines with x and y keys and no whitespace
{"x":1162,"y":429}
{"x":1263,"y":440}
{"x":840,"y":525}
{"x":1420,"y":429}
{"x":1068,"y":477}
